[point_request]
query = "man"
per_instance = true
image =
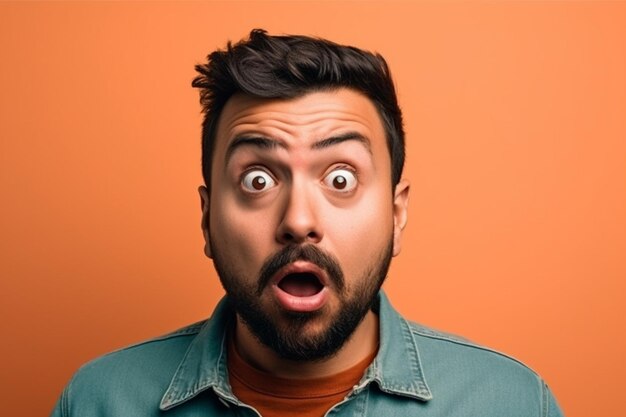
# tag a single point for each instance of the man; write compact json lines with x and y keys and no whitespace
{"x":302,"y":211}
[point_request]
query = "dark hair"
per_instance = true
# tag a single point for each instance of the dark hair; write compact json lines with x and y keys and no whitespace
{"x":267,"y":66}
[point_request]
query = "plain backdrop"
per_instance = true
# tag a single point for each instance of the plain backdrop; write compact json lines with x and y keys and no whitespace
{"x":516,"y":128}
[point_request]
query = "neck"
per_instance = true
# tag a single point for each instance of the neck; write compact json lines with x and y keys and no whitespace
{"x":361,"y":344}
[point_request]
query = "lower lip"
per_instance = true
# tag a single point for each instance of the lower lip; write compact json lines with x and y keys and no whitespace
{"x":300,"y":304}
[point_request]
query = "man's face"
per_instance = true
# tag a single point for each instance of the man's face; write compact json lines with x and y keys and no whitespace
{"x":302,"y":219}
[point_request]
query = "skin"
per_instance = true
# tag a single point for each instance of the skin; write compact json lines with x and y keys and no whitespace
{"x":301,"y":203}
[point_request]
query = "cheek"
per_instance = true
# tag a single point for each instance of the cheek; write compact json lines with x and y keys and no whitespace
{"x":361,"y":234}
{"x":241,"y":236}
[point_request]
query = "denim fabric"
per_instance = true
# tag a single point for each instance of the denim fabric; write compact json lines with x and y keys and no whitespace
{"x":417,"y":372}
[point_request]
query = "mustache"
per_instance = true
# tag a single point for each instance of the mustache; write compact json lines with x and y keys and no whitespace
{"x":309,"y":253}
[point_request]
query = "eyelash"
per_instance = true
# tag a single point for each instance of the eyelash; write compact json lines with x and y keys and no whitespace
{"x":343,"y":167}
{"x":347,"y":168}
{"x":252,"y":168}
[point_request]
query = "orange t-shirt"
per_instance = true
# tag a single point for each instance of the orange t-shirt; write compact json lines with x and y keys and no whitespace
{"x":276,"y":397}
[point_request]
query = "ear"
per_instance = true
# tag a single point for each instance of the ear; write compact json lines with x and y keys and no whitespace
{"x":400,"y":206}
{"x":205,"y":206}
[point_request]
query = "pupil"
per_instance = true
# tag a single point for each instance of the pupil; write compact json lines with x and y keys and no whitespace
{"x":258,"y":183}
{"x":339,"y":182}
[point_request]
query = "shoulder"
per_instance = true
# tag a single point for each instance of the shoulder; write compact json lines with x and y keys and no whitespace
{"x":137,"y":374}
{"x":159,"y":350}
{"x":435,"y":345}
{"x":458,"y":368}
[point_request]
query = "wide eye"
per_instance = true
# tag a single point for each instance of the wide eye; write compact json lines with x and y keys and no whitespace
{"x":257,"y":181}
{"x":342,"y":179}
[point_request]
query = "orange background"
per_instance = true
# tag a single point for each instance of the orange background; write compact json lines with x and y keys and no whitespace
{"x":516,"y":122}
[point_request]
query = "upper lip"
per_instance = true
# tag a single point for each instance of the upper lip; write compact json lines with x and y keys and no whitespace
{"x":301,"y":267}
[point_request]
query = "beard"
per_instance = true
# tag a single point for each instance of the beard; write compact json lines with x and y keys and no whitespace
{"x":288,"y":337}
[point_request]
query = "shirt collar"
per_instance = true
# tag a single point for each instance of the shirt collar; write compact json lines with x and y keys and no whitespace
{"x":397,"y":368}
{"x":204,"y":364}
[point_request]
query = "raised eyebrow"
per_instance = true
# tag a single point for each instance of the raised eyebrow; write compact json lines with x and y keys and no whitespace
{"x":335,"y":140}
{"x":256,"y":141}
{"x":268,"y":143}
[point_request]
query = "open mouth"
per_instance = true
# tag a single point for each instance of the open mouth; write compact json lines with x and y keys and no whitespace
{"x":301,"y":284}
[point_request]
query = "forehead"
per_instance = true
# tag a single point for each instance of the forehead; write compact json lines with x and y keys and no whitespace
{"x":302,"y":120}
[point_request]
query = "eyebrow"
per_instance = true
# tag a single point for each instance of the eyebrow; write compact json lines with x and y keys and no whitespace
{"x":263,"y":142}
{"x":335,"y":140}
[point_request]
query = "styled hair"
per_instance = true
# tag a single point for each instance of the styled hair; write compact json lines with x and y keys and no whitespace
{"x":284,"y":67}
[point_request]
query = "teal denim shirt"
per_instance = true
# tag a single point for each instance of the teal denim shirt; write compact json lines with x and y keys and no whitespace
{"x":417,"y":372}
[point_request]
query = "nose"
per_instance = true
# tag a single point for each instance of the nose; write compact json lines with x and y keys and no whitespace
{"x":300,"y":218}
